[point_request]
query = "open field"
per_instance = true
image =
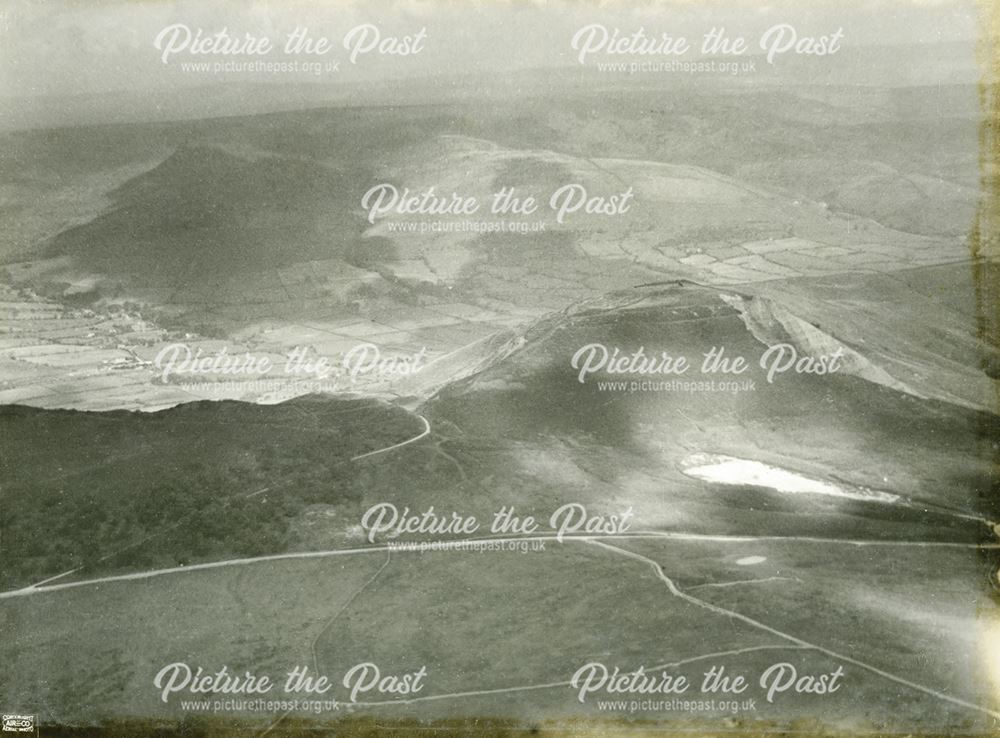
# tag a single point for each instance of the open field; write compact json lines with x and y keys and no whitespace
{"x":262,"y":618}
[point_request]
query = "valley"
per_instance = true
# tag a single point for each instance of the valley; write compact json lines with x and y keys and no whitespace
{"x":266,"y":378}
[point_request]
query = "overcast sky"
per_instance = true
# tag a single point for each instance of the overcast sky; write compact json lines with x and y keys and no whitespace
{"x":61,"y":47}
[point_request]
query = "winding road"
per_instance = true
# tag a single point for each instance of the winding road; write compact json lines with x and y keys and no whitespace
{"x":423,"y":434}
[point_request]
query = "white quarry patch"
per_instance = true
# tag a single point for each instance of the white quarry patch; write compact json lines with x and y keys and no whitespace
{"x":731,"y":470}
{"x":771,"y":323}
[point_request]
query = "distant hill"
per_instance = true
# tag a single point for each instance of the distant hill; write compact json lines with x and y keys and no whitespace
{"x":198,"y":215}
{"x":205,"y":213}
